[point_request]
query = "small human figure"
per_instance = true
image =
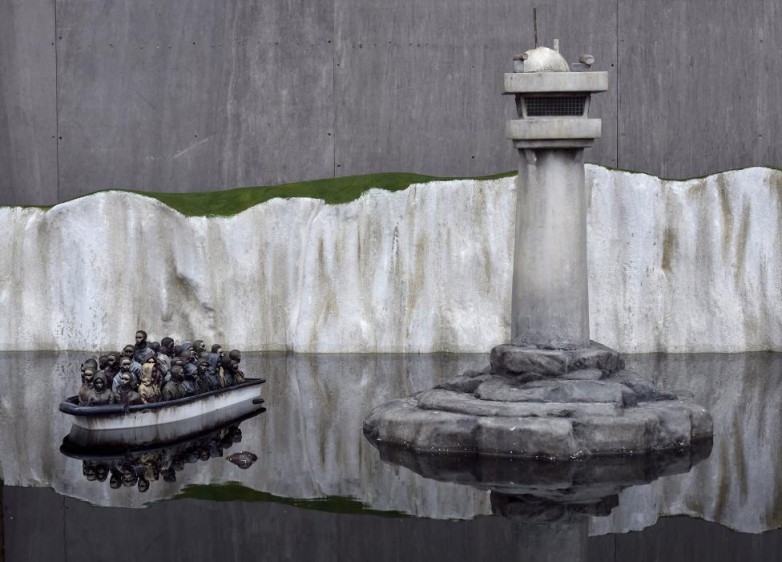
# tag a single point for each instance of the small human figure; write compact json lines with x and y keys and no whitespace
{"x":100,"y":394}
{"x":141,"y":349}
{"x":92,"y":363}
{"x":135,"y":366}
{"x":199,"y":348}
{"x":173,"y":388}
{"x":102,"y":472}
{"x":214,"y":358}
{"x":202,"y":376}
{"x":188,"y":381}
{"x":225,"y":367}
{"x":125,"y":393}
{"x":236,"y":372}
{"x":112,"y":367}
{"x":149,"y":388}
{"x":124,"y":367}
{"x":216,"y":378}
{"x":87,"y":378}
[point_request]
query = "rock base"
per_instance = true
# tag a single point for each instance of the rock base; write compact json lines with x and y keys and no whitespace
{"x":543,"y":403}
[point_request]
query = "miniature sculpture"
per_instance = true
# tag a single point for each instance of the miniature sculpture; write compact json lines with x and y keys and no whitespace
{"x":149,"y":387}
{"x":158,"y":371}
{"x":141,"y":349}
{"x":551,"y":392}
{"x":100,"y":394}
{"x":125,"y":364}
{"x":87,"y":377}
{"x":173,"y":389}
{"x":125,"y":393}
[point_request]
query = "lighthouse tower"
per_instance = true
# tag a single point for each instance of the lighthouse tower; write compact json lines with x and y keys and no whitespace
{"x":550,"y":299}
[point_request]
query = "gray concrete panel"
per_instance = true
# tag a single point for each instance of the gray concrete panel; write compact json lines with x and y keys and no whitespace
{"x":28,"y":123}
{"x":192,"y":97}
{"x":699,"y":86}
{"x":588,"y":27}
{"x":418,"y":85}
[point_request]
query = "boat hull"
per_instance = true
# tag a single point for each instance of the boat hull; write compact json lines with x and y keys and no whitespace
{"x":159,"y":423}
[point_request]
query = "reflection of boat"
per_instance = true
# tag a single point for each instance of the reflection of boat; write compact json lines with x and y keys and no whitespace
{"x":160,"y":422}
{"x":132,"y":464}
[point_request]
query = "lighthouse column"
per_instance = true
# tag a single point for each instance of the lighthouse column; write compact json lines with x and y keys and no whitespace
{"x":550,"y":298}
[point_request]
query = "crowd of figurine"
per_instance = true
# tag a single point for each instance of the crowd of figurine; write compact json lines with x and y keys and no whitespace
{"x":147,"y":372}
{"x":142,"y":468}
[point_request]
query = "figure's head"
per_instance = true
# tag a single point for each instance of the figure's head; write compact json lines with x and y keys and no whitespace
{"x":99,"y":382}
{"x":216,"y":348}
{"x":124,"y":365}
{"x":128,"y":350}
{"x":125,"y":379}
{"x":167,"y":345}
{"x":236,"y":355}
{"x":155,"y":346}
{"x":143,"y":485}
{"x":176,"y":373}
{"x":89,"y":472}
{"x":234,"y":366}
{"x":115,"y":482}
{"x":101,"y":472}
{"x":111,"y":360}
{"x":199,"y":346}
{"x":90,"y":363}
{"x":141,"y":338}
{"x":88,"y":376}
{"x":202,"y":366}
{"x":129,"y":479}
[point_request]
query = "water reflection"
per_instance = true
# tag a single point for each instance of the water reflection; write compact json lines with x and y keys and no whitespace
{"x":310,"y":443}
{"x":138,"y":466}
{"x":551,"y":503}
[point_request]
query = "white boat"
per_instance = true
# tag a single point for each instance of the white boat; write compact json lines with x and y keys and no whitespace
{"x":160,"y":422}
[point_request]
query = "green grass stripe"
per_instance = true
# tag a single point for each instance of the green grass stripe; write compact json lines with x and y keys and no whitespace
{"x":235,"y":491}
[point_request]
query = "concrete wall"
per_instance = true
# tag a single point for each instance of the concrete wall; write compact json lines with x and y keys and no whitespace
{"x":166,"y":96}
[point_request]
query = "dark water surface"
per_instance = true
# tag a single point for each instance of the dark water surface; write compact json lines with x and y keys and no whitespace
{"x":319,"y":490}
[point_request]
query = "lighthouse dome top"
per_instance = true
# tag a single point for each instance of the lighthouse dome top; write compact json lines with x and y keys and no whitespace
{"x":543,"y":59}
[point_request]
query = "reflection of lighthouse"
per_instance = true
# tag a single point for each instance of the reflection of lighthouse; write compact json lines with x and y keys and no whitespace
{"x":550,"y":306}
{"x":550,"y":503}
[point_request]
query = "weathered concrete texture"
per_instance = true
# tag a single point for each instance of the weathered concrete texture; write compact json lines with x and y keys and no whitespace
{"x":549,"y":418}
{"x":282,"y":91}
{"x":411,"y":70}
{"x":710,"y":107}
{"x":673,"y":266}
{"x":518,"y":360}
{"x":550,"y":298}
{"x":164,"y":97}
{"x":28,"y":121}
